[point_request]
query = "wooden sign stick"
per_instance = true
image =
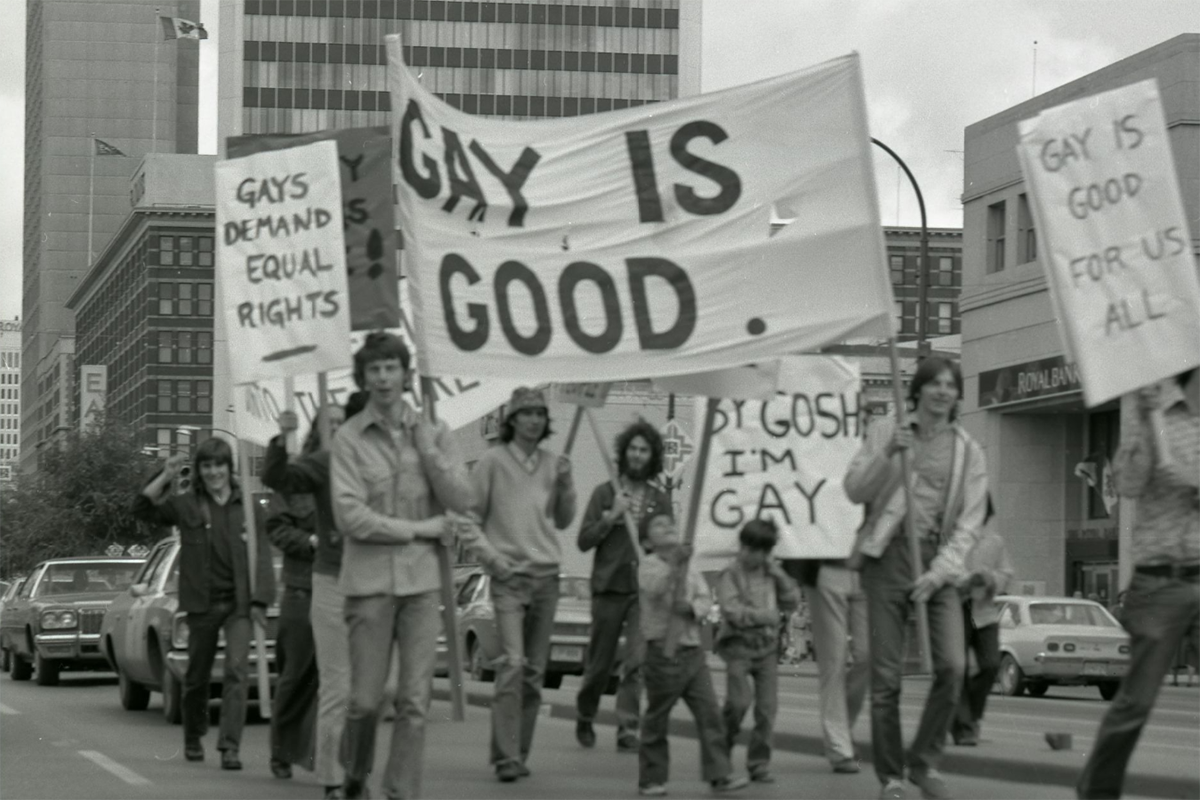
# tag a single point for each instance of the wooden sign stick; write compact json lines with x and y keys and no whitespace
{"x":252,"y":554}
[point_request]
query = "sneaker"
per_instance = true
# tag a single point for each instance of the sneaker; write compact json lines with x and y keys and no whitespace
{"x":230,"y":760}
{"x":523,"y":771}
{"x":931,"y":784}
{"x":847,"y":766}
{"x":893,"y":790}
{"x":585,"y":733}
{"x":281,"y":769}
{"x":729,"y":784}
{"x":628,"y":742}
{"x":652,"y":790}
{"x":762,"y":775}
{"x":508,"y":771}
{"x":193,"y":750}
{"x":966,"y":739}
{"x":355,"y":790}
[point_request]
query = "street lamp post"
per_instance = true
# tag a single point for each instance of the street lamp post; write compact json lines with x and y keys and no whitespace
{"x":923,"y":284}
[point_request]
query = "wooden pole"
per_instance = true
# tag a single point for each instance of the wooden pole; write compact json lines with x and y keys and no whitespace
{"x":449,"y":608}
{"x":289,"y":404}
{"x":322,"y":419}
{"x":910,"y":528}
{"x":574,"y":429}
{"x":614,"y":478}
{"x":675,"y":625}
{"x":260,"y":635}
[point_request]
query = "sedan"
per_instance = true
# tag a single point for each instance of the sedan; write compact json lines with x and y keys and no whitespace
{"x":1062,"y":641}
{"x":54,"y":621}
{"x":145,"y":636}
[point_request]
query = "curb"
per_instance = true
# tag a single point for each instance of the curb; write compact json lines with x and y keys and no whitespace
{"x":996,"y":768}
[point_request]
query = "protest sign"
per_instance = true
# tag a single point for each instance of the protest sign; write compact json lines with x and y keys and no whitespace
{"x":637,"y":242}
{"x":367,"y":210}
{"x":281,"y":262}
{"x":590,"y":395}
{"x":784,"y":459}
{"x":751,"y":382}
{"x":1114,"y":238}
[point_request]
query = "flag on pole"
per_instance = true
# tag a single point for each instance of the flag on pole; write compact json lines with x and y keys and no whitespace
{"x":103,"y":148}
{"x":179,"y":28}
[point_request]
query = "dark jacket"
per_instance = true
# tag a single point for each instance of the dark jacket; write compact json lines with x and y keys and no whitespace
{"x":290,"y":525}
{"x":308,"y":474}
{"x":614,"y":570}
{"x":184,"y":511}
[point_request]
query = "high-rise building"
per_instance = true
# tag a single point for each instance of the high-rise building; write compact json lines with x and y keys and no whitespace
{"x":94,"y":71}
{"x":10,"y":397}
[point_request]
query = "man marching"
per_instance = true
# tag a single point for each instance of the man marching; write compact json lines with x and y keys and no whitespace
{"x":614,"y":582}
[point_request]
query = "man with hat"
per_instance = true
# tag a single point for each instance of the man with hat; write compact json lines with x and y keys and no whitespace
{"x":524,"y":495}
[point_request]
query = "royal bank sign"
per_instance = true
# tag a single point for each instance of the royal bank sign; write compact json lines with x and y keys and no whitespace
{"x":1033,"y":380}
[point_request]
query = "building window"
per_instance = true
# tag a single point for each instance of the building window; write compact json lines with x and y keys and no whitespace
{"x":996,"y":223}
{"x":164,"y":395}
{"x":204,"y":291}
{"x":205,"y":257}
{"x":184,"y":354}
{"x":896,"y":267}
{"x":186,"y":256}
{"x":204,"y":396}
{"x":166,"y":342}
{"x":945,"y":273}
{"x":166,"y":302}
{"x":1026,"y":235}
{"x":945,"y":318}
{"x":203,"y":347}
{"x":166,"y":254}
{"x":183,"y":396}
{"x":1103,"y":433}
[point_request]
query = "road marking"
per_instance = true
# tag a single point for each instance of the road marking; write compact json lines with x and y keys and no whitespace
{"x":6,"y":710}
{"x":121,"y":771}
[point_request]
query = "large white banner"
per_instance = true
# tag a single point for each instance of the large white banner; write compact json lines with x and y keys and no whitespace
{"x":637,"y":243}
{"x":281,"y":262}
{"x":784,"y":459}
{"x":1114,"y":238}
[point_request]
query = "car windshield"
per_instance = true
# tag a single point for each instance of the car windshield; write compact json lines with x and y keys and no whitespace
{"x":1070,"y":614}
{"x":87,"y":577}
{"x":575,"y":588}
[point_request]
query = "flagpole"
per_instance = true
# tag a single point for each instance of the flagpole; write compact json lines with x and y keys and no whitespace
{"x":91,"y":196}
{"x":154,"y":124}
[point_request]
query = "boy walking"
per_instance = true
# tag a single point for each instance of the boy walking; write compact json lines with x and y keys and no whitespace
{"x":753,"y":592}
{"x":684,"y":676}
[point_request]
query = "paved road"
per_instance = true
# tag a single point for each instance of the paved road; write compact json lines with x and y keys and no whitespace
{"x":75,"y":741}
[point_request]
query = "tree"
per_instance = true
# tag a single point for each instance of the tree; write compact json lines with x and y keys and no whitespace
{"x":78,"y":502}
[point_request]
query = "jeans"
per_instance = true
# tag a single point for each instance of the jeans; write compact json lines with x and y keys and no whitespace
{"x":524,"y":607}
{"x":1160,"y":613}
{"x":888,"y":581}
{"x":375,"y":623}
{"x":764,"y":671}
{"x":985,"y":641}
{"x":838,"y":609}
{"x":331,"y":638}
{"x":668,"y":680}
{"x":293,"y":712}
{"x":611,"y":613}
{"x":203,"y":630}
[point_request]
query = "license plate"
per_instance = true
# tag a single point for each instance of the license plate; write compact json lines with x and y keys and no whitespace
{"x":1095,"y":669}
{"x":566,"y":653}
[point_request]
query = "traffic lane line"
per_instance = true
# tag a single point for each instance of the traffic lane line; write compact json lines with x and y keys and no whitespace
{"x":7,"y":710}
{"x":120,"y":770}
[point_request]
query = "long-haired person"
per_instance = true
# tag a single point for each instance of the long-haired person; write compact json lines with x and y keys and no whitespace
{"x":214,"y":587}
{"x":949,"y":492}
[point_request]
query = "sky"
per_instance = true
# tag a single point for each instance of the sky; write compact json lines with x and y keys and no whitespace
{"x":931,"y":67}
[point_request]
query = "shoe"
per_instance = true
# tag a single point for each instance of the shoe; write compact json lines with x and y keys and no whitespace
{"x":847,"y":766}
{"x":729,"y":784}
{"x":334,"y":793}
{"x":893,"y":790}
{"x":230,"y":760}
{"x":931,"y":784}
{"x":966,"y":739}
{"x":281,"y":769}
{"x":652,"y":790}
{"x":585,"y":733}
{"x":354,"y":790}
{"x":628,"y":742}
{"x":508,"y":771}
{"x":761,"y":776}
{"x":193,"y":750}
{"x":523,"y":771}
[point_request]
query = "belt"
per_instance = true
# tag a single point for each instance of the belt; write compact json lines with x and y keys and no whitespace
{"x":1185,"y":571}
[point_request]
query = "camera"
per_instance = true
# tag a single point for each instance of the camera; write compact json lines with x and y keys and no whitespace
{"x":183,"y":483}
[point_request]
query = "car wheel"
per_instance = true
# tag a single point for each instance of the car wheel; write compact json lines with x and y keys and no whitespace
{"x":479,"y":670}
{"x":134,"y":696}
{"x":46,"y":670}
{"x":22,"y":670}
{"x":1108,"y":689}
{"x":1012,"y":680}
{"x":1037,"y":689}
{"x":172,"y":693}
{"x":553,"y":680}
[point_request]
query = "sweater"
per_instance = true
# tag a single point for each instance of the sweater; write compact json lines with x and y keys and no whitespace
{"x":522,"y":511}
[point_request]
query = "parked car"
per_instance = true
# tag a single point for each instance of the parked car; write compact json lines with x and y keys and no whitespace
{"x":53,"y":622}
{"x":10,"y":592}
{"x":1063,"y":641}
{"x":144,"y":636}
{"x":481,"y":642}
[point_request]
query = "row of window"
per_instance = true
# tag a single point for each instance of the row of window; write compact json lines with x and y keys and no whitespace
{"x":8,"y":438}
{"x":185,"y":251}
{"x":182,"y":299}
{"x":9,"y":423}
{"x":471,"y":11}
{"x":905,"y":270}
{"x":470,"y":57}
{"x":184,"y":347}
{"x":184,"y":396}
{"x":8,"y":394}
{"x":941,"y":318}
{"x":9,"y":408}
{"x":10,"y":377}
{"x":997,"y":234}
{"x":10,"y":359}
{"x":503,"y":105}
